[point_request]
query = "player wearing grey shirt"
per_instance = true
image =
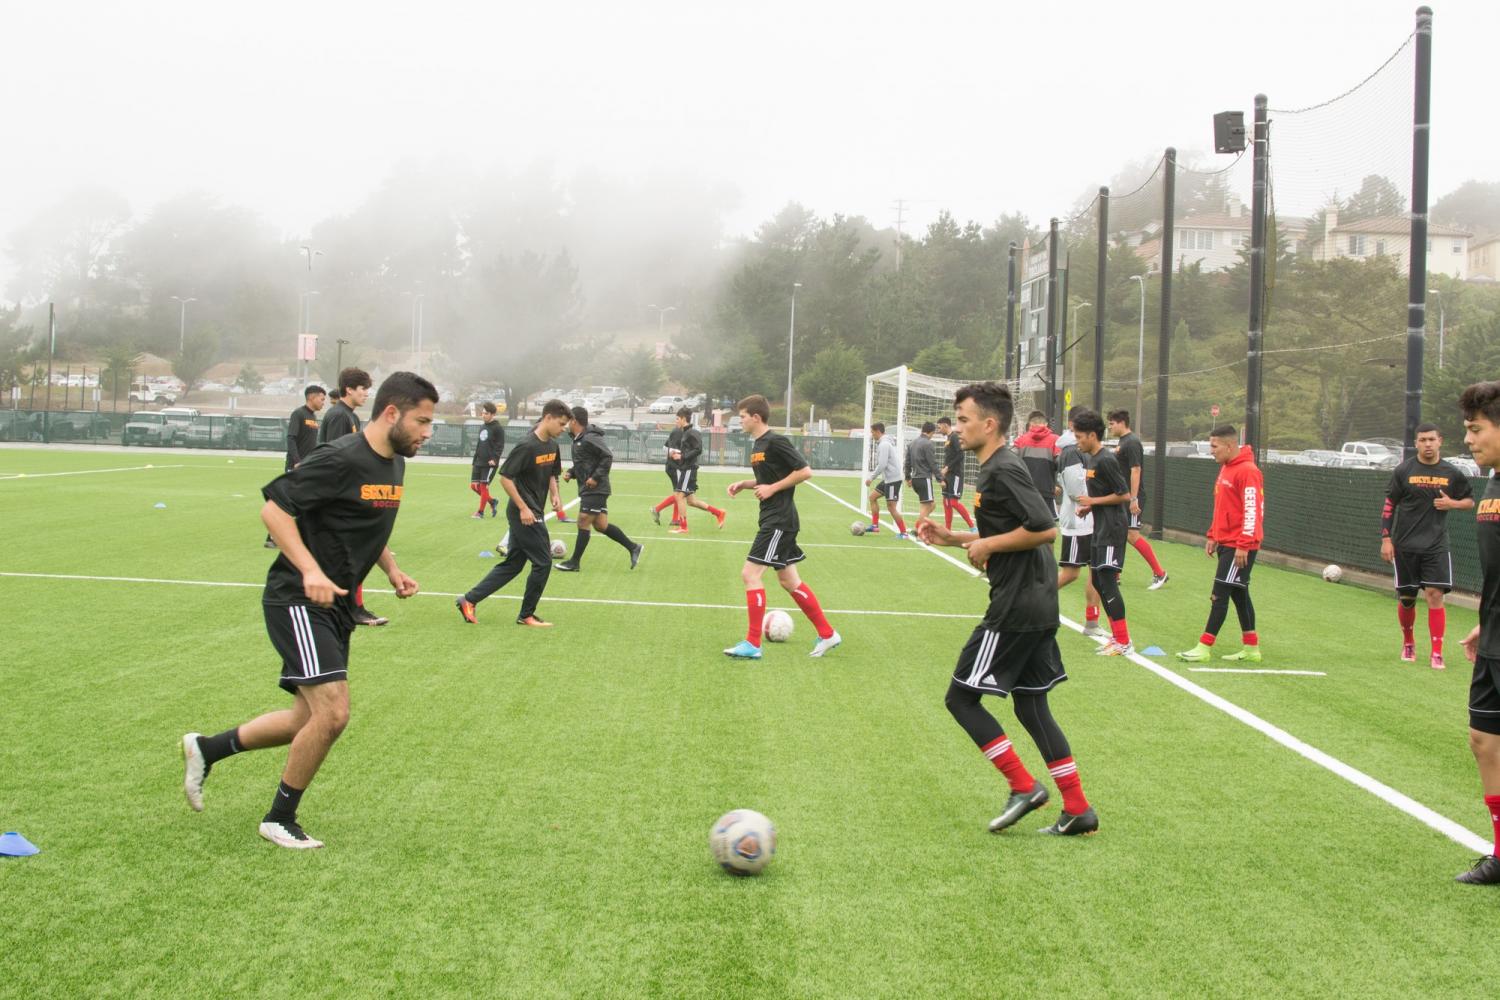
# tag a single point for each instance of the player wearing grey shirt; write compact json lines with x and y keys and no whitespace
{"x":885,"y":477}
{"x":922,"y":467}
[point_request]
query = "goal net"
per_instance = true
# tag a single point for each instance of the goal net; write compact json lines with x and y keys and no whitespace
{"x":904,"y":400}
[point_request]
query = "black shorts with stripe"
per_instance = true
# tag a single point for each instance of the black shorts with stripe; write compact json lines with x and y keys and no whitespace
{"x":593,"y":503}
{"x":1108,"y":550}
{"x":481,"y":474}
{"x":685,"y":481}
{"x":1484,"y":696}
{"x":775,"y":548}
{"x":890,"y":490}
{"x":1229,"y":573}
{"x":922,"y":487}
{"x":953,"y":487}
{"x":997,"y":662}
{"x":1418,"y":570}
{"x":312,"y":642}
{"x":1077,"y":550}
{"x":1135,"y":520}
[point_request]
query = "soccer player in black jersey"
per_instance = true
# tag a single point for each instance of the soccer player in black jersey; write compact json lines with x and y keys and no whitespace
{"x":591,"y":464}
{"x":1414,"y":537}
{"x":1132,"y":456}
{"x":684,"y":450}
{"x":487,"y":452}
{"x":952,"y":474}
{"x":341,"y":421}
{"x":1107,"y":499}
{"x":1480,"y":404}
{"x":302,"y":432}
{"x":778,"y":467}
{"x":529,"y":477}
{"x":1014,"y":650}
{"x":331,"y":516}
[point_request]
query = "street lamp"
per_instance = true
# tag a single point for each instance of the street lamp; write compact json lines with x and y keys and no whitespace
{"x":1074,"y":326}
{"x":304,"y":313}
{"x":340,"y":362}
{"x":1140,"y":356}
{"x":661,"y":318}
{"x":310,"y":254}
{"x":1441,"y":318}
{"x":791,"y":339}
{"x":182,"y":323}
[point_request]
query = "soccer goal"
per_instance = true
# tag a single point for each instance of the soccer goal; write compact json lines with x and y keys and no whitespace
{"x":903,"y":400}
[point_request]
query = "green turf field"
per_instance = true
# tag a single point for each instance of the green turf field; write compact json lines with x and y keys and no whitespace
{"x":516,"y":813}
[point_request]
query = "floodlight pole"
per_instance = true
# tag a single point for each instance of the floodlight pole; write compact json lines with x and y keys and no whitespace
{"x":1258,"y":239}
{"x":1140,"y":351}
{"x":1416,"y":308}
{"x":1164,"y":344}
{"x":1010,"y":310}
{"x":791,"y":339}
{"x":1052,"y":324}
{"x":1099,"y":293}
{"x":182,"y":322}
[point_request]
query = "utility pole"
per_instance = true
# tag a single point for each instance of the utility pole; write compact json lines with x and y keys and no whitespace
{"x":900,"y":208}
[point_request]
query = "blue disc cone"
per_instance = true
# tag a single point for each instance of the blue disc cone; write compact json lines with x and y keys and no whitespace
{"x":1154,"y":651}
{"x":486,"y":554}
{"x":13,"y":845}
{"x":161,"y":506}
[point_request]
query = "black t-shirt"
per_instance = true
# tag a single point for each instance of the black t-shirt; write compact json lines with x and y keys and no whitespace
{"x":1132,"y":456}
{"x":345,"y":498}
{"x":531,"y":465}
{"x":1487,"y":530}
{"x":674,"y":443}
{"x":490,"y":445}
{"x":1023,"y":585}
{"x":1419,"y":526}
{"x":1106,"y":478}
{"x":953,"y":455}
{"x":773,"y":458}
{"x":340,"y":422}
{"x":301,"y":434}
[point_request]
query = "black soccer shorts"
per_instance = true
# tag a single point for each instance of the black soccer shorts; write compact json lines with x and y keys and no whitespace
{"x":998,"y":662}
{"x":685,"y":481}
{"x":1135,"y":519}
{"x":922,"y":487}
{"x":953,"y":487}
{"x":890,"y":491}
{"x":1108,"y":552}
{"x":775,"y":548}
{"x":1416,"y":570}
{"x":1077,"y":550}
{"x":313,"y":643}
{"x":593,"y":503}
{"x":1484,"y":696}
{"x":482,"y":474}
{"x":1230,"y":574}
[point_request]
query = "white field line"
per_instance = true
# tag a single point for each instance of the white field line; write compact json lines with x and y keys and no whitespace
{"x":506,"y":597}
{"x":874,"y":547}
{"x":88,"y":472}
{"x":960,"y":563}
{"x":1246,"y":670}
{"x":1442,"y":824}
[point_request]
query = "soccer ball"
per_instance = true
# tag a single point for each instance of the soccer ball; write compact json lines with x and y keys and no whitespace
{"x":558,"y":548}
{"x":857,"y":528}
{"x":743,"y":841}
{"x":778,"y":626}
{"x":1333,"y":573}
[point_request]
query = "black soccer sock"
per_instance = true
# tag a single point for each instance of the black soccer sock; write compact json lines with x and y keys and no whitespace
{"x":582,"y":543}
{"x":1107,"y":584}
{"x":216,"y":748}
{"x":1243,"y":607}
{"x":963,"y":704}
{"x":1036,"y":715}
{"x":614,"y":534}
{"x":284,"y":808}
{"x":1218,"y":608}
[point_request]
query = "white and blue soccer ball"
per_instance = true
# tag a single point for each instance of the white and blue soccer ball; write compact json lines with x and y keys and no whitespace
{"x":857,"y":528}
{"x":1333,"y":573}
{"x":559,"y":549}
{"x":743,"y":841}
{"x":778,"y":626}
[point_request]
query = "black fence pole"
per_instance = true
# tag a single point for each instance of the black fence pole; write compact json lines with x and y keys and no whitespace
{"x":1416,"y":307}
{"x":1051,"y":374}
{"x":1164,"y":342}
{"x":1010,"y":312}
{"x":1099,"y":285}
{"x":1253,"y":436}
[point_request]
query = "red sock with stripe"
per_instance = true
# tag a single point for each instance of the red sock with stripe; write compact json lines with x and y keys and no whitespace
{"x":1091,"y":614}
{"x":1437,"y":623}
{"x":1492,"y":803}
{"x":1144,"y":548}
{"x":1003,"y":756}
{"x":1065,"y":773}
{"x":755,"y":606}
{"x":803,"y":595}
{"x":963,"y":512}
{"x":1407,"y":616}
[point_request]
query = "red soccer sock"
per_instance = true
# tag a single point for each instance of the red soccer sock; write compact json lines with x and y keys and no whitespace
{"x":1000,"y":753}
{"x":1250,"y":638}
{"x":900,"y":524}
{"x":963,"y":512}
{"x":484,"y":496}
{"x":755,"y":605}
{"x":671,"y":500}
{"x":948,"y":513}
{"x":1207,"y":638}
{"x":1065,"y":773}
{"x":1492,"y":803}
{"x":1144,"y":548}
{"x":875,"y":518}
{"x":715,"y":512}
{"x":803,"y":595}
{"x":359,"y":596}
{"x":1407,"y":616}
{"x":1091,"y":614}
{"x":1437,"y":622}
{"x":681,"y":512}
{"x":1122,"y":633}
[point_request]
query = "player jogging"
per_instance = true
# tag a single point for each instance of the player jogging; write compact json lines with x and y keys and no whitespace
{"x":684,"y":450}
{"x":1107,"y":498}
{"x":922,"y":468}
{"x":1235,"y":534}
{"x":529,"y":477}
{"x":341,"y":421}
{"x":302,"y":432}
{"x":487,"y":452}
{"x":885,"y":477}
{"x":952,"y":474}
{"x":331,"y":516}
{"x":1414,"y":537}
{"x":1077,"y":529}
{"x":1480,"y":404}
{"x":1013,"y":652}
{"x":1038,"y":449}
{"x":1132,"y":457}
{"x":591,"y":463}
{"x":778,"y":467}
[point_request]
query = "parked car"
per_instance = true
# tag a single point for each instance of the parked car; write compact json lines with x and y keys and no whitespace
{"x":667,"y":404}
{"x":694,"y":402}
{"x":1373,"y":451}
{"x":144,"y":392}
{"x":210,"y":430}
{"x":260,"y":433}
{"x":19,"y":425}
{"x":150,"y":427}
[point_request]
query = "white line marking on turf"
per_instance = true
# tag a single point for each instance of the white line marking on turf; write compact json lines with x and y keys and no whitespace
{"x":1442,"y":824}
{"x":961,"y":564}
{"x":1247,"y":670}
{"x":88,"y":472}
{"x":873,"y":547}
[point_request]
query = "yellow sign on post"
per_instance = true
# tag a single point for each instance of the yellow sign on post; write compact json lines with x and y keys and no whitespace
{"x":1067,"y":400}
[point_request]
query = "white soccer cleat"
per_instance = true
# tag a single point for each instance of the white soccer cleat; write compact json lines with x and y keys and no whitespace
{"x":194,"y":770}
{"x":288,"y":835}
{"x":824,"y":645}
{"x":1158,"y":582}
{"x":1114,"y":648}
{"x":1095,"y":632}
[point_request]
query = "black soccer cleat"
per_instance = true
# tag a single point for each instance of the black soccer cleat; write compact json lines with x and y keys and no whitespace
{"x":1069,"y":825}
{"x":635,"y":555}
{"x":1485,"y":871}
{"x":566,"y":566}
{"x":364,"y":617}
{"x":1018,"y":805}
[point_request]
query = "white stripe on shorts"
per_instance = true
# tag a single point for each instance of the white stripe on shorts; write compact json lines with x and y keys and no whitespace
{"x":306,"y":647}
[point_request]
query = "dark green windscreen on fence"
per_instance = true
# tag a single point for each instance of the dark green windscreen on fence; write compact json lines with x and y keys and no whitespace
{"x":1331,"y":515}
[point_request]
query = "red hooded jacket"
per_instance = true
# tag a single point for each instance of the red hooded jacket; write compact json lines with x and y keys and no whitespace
{"x":1239,"y":503}
{"x":1038,"y":449}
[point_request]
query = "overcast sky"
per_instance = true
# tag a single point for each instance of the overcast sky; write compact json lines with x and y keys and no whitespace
{"x":297,"y":110}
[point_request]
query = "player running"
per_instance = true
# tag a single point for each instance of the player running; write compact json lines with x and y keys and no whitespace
{"x":1014,"y":650}
{"x":1235,"y":534}
{"x":1077,"y":529}
{"x":487,"y":452}
{"x":922,"y":468}
{"x":1414,"y":537}
{"x":592,"y":459}
{"x":778,"y":467}
{"x":302,"y":432}
{"x":684,"y":450}
{"x":1132,"y":456}
{"x":341,"y":421}
{"x":1480,"y":404}
{"x":885,"y":477}
{"x":1107,"y":498}
{"x":529,"y":477}
{"x":952,"y":473}
{"x":331,"y":516}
